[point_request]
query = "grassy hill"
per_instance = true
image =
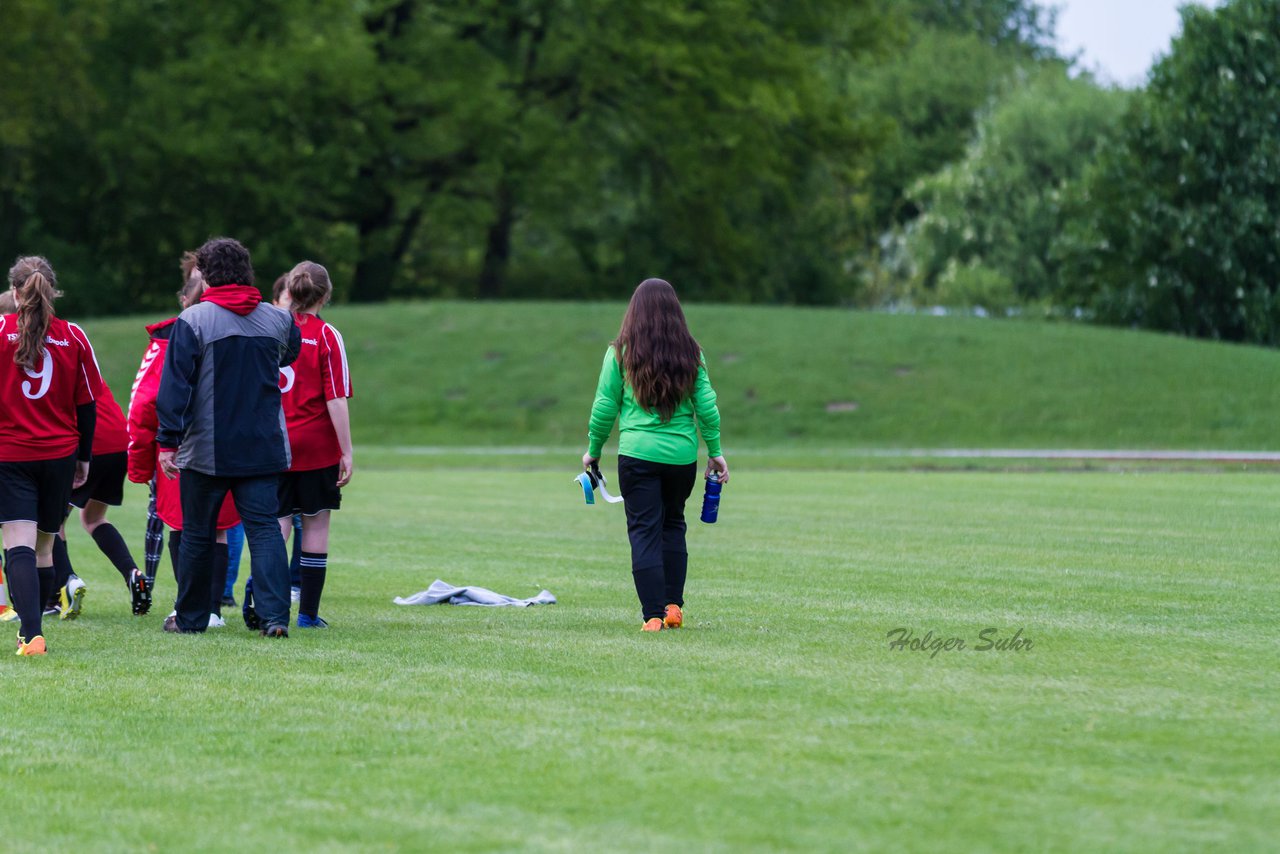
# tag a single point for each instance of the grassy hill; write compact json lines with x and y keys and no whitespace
{"x":453,"y":373}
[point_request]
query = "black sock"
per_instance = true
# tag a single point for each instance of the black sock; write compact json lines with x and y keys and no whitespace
{"x":62,"y":570}
{"x":312,"y":566}
{"x":175,"y":543}
{"x":218,"y":581}
{"x":24,"y":589}
{"x":112,"y":545}
{"x":47,"y":590}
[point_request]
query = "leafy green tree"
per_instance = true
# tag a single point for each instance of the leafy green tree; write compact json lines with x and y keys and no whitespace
{"x":1178,"y":225}
{"x":990,"y":221}
{"x":191,"y":132}
{"x":1024,"y":27}
{"x":641,"y":135}
{"x":954,"y":57}
{"x":44,"y":86}
{"x":309,"y":129}
{"x":746,"y":180}
{"x":929,"y":95}
{"x":543,"y":147}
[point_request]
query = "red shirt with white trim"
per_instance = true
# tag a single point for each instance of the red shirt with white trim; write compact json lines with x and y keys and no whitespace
{"x":110,"y":436}
{"x":38,"y":405}
{"x":318,"y":376}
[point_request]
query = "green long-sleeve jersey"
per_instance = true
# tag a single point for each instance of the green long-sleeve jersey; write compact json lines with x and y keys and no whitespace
{"x":643,"y":434}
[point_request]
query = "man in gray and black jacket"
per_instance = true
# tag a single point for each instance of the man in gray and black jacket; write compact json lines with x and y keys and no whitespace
{"x":221,"y":425}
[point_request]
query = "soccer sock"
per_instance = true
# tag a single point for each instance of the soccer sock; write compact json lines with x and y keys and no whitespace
{"x":175,"y":544}
{"x":218,"y":581}
{"x":312,"y":566}
{"x":24,"y":588}
{"x":62,"y":570}
{"x":46,"y":576}
{"x":112,"y":545}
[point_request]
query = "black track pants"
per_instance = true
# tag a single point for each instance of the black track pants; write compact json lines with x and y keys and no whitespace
{"x":654,"y":495}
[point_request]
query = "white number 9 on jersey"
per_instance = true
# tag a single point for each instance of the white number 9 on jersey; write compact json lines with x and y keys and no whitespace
{"x":45,"y":375}
{"x":286,"y":379}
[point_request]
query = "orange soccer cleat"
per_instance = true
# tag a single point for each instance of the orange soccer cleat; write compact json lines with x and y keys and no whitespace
{"x":35,"y":646}
{"x":674,"y":618}
{"x":654,"y":624}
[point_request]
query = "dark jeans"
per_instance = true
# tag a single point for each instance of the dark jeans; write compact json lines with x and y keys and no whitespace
{"x":654,"y":495}
{"x":255,"y":499}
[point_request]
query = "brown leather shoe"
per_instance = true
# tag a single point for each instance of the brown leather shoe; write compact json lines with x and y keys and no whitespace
{"x":171,"y":625}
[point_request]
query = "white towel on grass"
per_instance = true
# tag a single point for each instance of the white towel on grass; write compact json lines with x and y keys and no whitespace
{"x":440,"y":592}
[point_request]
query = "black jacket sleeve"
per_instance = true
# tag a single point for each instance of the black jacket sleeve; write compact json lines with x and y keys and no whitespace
{"x":86,"y":421}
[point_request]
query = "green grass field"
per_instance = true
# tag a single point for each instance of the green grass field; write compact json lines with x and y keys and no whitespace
{"x":1142,"y":718}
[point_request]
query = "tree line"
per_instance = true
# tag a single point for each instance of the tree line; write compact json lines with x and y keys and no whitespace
{"x":1155,"y":208}
{"x":856,"y":152}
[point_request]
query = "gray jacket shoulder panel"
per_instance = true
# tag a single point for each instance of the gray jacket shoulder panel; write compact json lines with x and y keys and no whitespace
{"x":212,"y":323}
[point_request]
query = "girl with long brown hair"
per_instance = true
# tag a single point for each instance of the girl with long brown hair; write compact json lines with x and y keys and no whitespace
{"x":654,"y":383}
{"x":49,"y":382}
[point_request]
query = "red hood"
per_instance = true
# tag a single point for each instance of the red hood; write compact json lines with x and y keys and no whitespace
{"x":156,"y":327}
{"x":242,"y":299}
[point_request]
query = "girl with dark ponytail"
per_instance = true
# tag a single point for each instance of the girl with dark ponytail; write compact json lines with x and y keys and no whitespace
{"x":654,"y":382}
{"x":49,"y":382}
{"x":314,"y":392}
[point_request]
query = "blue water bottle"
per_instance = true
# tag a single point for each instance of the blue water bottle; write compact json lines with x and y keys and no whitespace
{"x":711,"y":498}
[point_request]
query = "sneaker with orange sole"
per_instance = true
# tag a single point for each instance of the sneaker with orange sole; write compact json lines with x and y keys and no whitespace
{"x":654,"y":624}
{"x":35,"y":646}
{"x":674,"y":618}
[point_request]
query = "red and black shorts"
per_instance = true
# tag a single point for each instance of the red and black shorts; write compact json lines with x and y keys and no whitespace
{"x":37,"y":491}
{"x":309,"y":492}
{"x":106,"y":481}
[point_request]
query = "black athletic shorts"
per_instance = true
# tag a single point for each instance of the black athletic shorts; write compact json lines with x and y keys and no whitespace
{"x":106,"y":481}
{"x":37,"y":491}
{"x":309,"y":492}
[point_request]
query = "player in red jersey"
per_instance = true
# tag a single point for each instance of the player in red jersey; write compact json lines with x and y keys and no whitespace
{"x":314,"y":392}
{"x":49,"y":382}
{"x":142,"y":459}
{"x":104,"y":488}
{"x":8,"y":305}
{"x":188,"y":295}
